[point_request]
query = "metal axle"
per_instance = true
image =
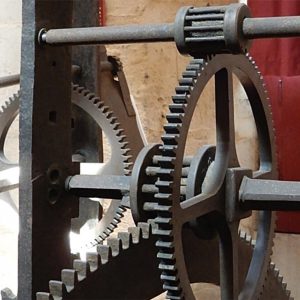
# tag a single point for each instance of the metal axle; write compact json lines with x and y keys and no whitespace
{"x":258,"y":194}
{"x":196,"y":31}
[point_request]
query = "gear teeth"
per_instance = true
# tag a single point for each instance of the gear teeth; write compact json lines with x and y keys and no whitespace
{"x":105,"y":253}
{"x":162,"y":232}
{"x":40,"y":296}
{"x":173,"y":288}
{"x":164,"y":245}
{"x":105,"y":109}
{"x":7,"y":294}
{"x":178,"y":108}
{"x":172,"y":297}
{"x":163,"y":221}
{"x":136,"y":234}
{"x":172,"y":128}
{"x":94,"y":260}
{"x":171,"y":278}
{"x":175,"y":118}
{"x":120,"y":138}
{"x":170,"y":139}
{"x":190,"y":73}
{"x":126,"y":239}
{"x":145,"y":229}
{"x":82,"y":268}
{"x":115,"y":244}
{"x":57,"y":289}
{"x":166,"y":162}
{"x":181,"y":98}
{"x":166,"y":256}
{"x":167,"y":267}
{"x":186,"y":81}
{"x":69,"y":279}
{"x":183,"y":89}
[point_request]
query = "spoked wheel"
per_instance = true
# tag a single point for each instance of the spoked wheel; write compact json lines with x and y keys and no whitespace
{"x":219,"y":200}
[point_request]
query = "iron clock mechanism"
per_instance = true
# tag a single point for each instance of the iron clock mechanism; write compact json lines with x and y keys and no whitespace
{"x":187,"y":210}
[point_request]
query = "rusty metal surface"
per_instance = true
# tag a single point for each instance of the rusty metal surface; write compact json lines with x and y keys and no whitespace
{"x":45,"y":155}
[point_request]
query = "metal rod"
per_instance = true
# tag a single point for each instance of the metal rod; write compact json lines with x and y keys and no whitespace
{"x":109,"y":35}
{"x":15,"y":79}
{"x":9,"y":80}
{"x":108,"y":186}
{"x":257,"y":28}
{"x":253,"y":28}
{"x":258,"y":194}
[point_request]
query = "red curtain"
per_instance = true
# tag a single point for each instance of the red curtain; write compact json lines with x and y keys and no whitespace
{"x":279,"y":62}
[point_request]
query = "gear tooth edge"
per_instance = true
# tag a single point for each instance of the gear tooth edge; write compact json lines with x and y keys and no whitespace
{"x":115,"y":244}
{"x":82,"y":268}
{"x":145,"y":229}
{"x":105,"y":109}
{"x":70,"y":278}
{"x":136,"y":233}
{"x":272,"y":266}
{"x":57,"y":288}
{"x":126,"y":239}
{"x":94,"y":260}
{"x":105,"y":253}
{"x":90,"y":96}
{"x":39,"y":296}
{"x":7,"y":294}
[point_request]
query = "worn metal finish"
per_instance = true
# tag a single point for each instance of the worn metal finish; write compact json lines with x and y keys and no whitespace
{"x":272,"y":27}
{"x":118,"y":164}
{"x":269,"y":194}
{"x":108,"y":186}
{"x":141,"y":177}
{"x":100,"y":278}
{"x":173,"y":213}
{"x":179,"y":191}
{"x":196,"y":31}
{"x":109,"y":35}
{"x":45,"y":145}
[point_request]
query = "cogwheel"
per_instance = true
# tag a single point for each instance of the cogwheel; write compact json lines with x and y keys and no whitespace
{"x":120,"y":162}
{"x":173,"y":214}
{"x":99,"y":277}
{"x":8,"y":113}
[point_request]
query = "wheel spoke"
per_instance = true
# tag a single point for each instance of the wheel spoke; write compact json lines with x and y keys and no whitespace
{"x":225,"y":116}
{"x":199,"y":205}
{"x":229,"y":276}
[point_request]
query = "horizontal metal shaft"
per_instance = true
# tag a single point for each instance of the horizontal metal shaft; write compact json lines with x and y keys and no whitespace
{"x":108,"y":186}
{"x":9,"y":80}
{"x":255,"y":28}
{"x":15,"y":79}
{"x":110,"y":35}
{"x":258,"y":194}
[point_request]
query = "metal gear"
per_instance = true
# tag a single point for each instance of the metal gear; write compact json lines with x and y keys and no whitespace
{"x":99,"y":277}
{"x":120,"y":162}
{"x":172,"y":214}
{"x":8,"y":113}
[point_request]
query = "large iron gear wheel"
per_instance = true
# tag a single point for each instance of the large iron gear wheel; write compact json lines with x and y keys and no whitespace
{"x":102,"y":275}
{"x":173,"y":214}
{"x":120,"y":162}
